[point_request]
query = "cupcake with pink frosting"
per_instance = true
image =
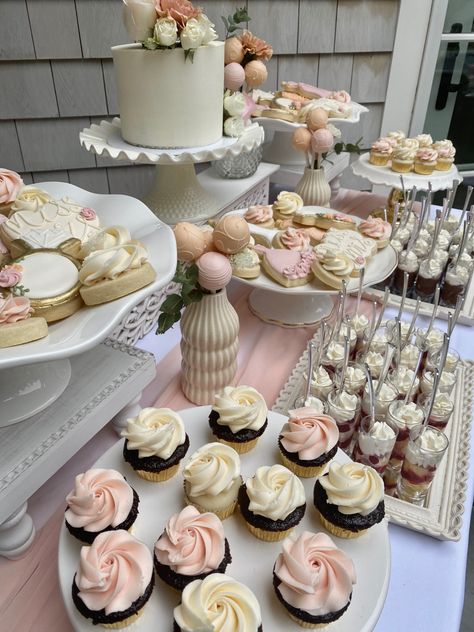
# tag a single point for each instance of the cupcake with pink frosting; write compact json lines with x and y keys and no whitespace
{"x":313,"y":579}
{"x":308,"y":442}
{"x":114,"y":579}
{"x":260,"y":215}
{"x":101,"y":501}
{"x":378,"y":229}
{"x":425,"y":161}
{"x":292,"y":239}
{"x":10,"y":185}
{"x":192,"y":546}
{"x":381,"y":151}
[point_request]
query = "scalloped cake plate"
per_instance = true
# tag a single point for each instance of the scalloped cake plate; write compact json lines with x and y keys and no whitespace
{"x":442,"y":516}
{"x":252,"y":559}
{"x":278,"y":125}
{"x":90,"y":325}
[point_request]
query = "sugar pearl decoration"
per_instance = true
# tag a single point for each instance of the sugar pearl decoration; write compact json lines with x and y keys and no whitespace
{"x":234,"y":76}
{"x":190,"y":241}
{"x":215,"y":271}
{"x":255,"y":73}
{"x":302,"y":139}
{"x":233,"y":50}
{"x":322,"y":141}
{"x":317,"y":118}
{"x":231,"y":234}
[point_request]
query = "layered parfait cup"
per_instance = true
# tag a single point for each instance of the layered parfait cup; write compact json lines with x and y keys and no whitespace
{"x":375,"y":441}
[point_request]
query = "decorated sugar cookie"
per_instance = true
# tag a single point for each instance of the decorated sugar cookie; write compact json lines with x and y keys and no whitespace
{"x":289,"y":268}
{"x":17,"y":326}
{"x":332,"y":267}
{"x":245,"y":263}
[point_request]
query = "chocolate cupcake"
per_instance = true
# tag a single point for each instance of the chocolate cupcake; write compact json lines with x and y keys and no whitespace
{"x":238,"y":417}
{"x":192,"y":546}
{"x":272,"y":502}
{"x":114,"y":580}
{"x":349,"y":499}
{"x":155,"y":443}
{"x":101,"y":500}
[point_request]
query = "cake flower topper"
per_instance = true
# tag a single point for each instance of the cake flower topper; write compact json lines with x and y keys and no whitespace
{"x":10,"y":277}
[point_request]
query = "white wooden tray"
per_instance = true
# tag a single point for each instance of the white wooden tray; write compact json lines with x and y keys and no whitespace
{"x":442,"y":517}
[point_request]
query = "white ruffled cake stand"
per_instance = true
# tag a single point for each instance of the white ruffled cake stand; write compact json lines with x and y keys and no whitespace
{"x":34,"y":375}
{"x":176,"y":194}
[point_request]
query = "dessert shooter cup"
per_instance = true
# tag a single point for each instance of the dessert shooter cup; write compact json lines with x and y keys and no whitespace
{"x":344,"y":409}
{"x":446,"y":382}
{"x":455,"y":282}
{"x":428,"y":277}
{"x":378,"y":342}
{"x":361,"y":324}
{"x":429,"y":342}
{"x":425,"y":450}
{"x":388,"y":393}
{"x":334,"y":356}
{"x":441,"y":412}
{"x":402,"y":378}
{"x":375,"y":441}
{"x":355,"y":379}
{"x":407,"y":262}
{"x":452,"y":360}
{"x":322,"y":382}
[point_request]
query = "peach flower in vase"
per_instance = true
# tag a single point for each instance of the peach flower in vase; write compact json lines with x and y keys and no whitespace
{"x":254,"y":47}
{"x":179,"y":10}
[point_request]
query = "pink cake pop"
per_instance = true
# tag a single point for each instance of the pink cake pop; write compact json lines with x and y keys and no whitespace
{"x":234,"y":76}
{"x":215,"y":271}
{"x":322,"y":141}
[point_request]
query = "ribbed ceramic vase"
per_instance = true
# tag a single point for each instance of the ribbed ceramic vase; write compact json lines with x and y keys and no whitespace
{"x":314,"y":188}
{"x":209,"y":346}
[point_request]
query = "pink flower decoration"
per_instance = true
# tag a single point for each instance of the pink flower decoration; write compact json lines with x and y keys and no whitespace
{"x":14,"y":309}
{"x":10,"y":184}
{"x":250,"y":106}
{"x":88,"y":213}
{"x":179,"y":10}
{"x":10,"y":275}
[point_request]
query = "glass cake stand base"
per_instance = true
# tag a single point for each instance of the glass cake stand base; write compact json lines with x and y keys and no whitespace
{"x":303,"y":311}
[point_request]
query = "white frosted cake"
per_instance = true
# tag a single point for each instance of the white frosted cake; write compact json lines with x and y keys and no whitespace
{"x":166,"y":100}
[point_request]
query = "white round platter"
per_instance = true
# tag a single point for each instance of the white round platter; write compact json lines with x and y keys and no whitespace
{"x":90,"y":325}
{"x":384,"y":175}
{"x":253,"y":559}
{"x":106,"y":139}
{"x":278,"y":125}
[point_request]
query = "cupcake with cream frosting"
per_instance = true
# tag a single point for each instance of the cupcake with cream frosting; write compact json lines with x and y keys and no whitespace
{"x":286,"y":205}
{"x":155,"y":443}
{"x":212,"y":479}
{"x":313,"y":579}
{"x":308,"y":442}
{"x":396,"y":137}
{"x":101,"y":500}
{"x":380,"y":152}
{"x":424,"y":140}
{"x":114,"y":579}
{"x":446,"y":152}
{"x":349,"y":499}
{"x":272,"y":502}
{"x":238,"y":417}
{"x":218,"y":603}
{"x":192,"y":546}
{"x":425,"y":161}
{"x":403,"y":159}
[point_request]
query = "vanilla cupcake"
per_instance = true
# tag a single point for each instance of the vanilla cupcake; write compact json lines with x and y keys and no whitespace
{"x":308,"y":442}
{"x":403,"y":159}
{"x":313,"y":579}
{"x":380,"y":152}
{"x":218,"y":603}
{"x":446,"y":153}
{"x":238,"y":417}
{"x":192,"y":546}
{"x":272,"y":502}
{"x":101,"y":500}
{"x":286,"y":205}
{"x":114,"y":580}
{"x":260,"y":215}
{"x":155,"y":443}
{"x":212,"y":479}
{"x":424,"y":140}
{"x":409,"y":143}
{"x":349,"y":499}
{"x":425,"y":161}
{"x":396,"y":137}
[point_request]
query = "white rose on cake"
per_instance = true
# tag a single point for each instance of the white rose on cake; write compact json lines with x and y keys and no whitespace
{"x":209,"y":33}
{"x":139,"y":17}
{"x":234,"y":126}
{"x":234,"y":104}
{"x":192,"y":35}
{"x":166,"y":31}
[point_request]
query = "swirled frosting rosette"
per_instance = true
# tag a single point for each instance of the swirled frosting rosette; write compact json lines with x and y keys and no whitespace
{"x":192,"y":545}
{"x":259,"y":214}
{"x":376,"y":228}
{"x":109,"y":263}
{"x":287,"y":204}
{"x":30,"y":198}
{"x":313,"y":579}
{"x":114,"y":579}
{"x":101,"y":500}
{"x":107,"y":238}
{"x":218,"y":603}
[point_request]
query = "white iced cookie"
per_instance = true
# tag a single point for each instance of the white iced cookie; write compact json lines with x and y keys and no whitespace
{"x":331,"y":268}
{"x":30,"y":198}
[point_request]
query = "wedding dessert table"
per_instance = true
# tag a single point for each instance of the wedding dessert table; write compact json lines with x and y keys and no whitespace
{"x":427,"y":578}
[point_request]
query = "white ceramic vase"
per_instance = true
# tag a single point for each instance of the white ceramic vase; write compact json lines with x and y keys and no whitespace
{"x":314,"y":188}
{"x":209,"y":346}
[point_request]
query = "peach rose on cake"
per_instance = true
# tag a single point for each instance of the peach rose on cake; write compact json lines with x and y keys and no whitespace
{"x":10,"y":275}
{"x":179,"y":10}
{"x":139,"y":17}
{"x":10,"y":184}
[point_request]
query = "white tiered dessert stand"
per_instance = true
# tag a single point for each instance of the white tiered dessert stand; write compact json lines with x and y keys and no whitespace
{"x":176,"y":194}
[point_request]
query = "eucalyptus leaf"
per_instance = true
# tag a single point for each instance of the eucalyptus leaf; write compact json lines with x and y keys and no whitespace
{"x":166,"y":321}
{"x":172,"y":303}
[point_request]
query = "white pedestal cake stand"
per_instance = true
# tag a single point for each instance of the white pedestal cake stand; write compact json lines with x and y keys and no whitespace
{"x":176,"y":194}
{"x":27,"y":390}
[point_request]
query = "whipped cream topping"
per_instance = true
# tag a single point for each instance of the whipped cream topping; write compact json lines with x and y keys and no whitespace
{"x":315,"y":575}
{"x":111,"y":262}
{"x":408,"y":261}
{"x":192,"y":543}
{"x":309,"y":433}
{"x":274,"y":492}
{"x":407,"y":415}
{"x":100,"y":499}
{"x":335,"y":352}
{"x":343,"y":405}
{"x":218,"y":603}
{"x":315,"y":403}
{"x":446,"y":380}
{"x":424,"y":140}
{"x":430,"y":268}
{"x":359,"y":323}
{"x":321,"y":377}
{"x":431,"y":440}
{"x":434,"y":339}
{"x":379,"y":439}
{"x":155,"y":432}
{"x":409,"y":355}
{"x":287,"y":203}
{"x":403,"y":234}
{"x":212,"y":469}
{"x":442,"y":405}
{"x":386,"y":393}
{"x":376,"y":228}
{"x":107,"y":238}
{"x":240,"y":408}
{"x":295,"y":239}
{"x":402,"y":378}
{"x":375,"y":361}
{"x":113,"y":572}
{"x":353,"y":487}
{"x":354,"y":376}
{"x":457,"y":275}
{"x":397,"y":244}
{"x":421,"y":247}
{"x":259,"y":214}
{"x":30,"y":198}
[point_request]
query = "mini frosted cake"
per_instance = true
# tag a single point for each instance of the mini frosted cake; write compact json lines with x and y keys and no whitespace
{"x":308,"y":442}
{"x":212,"y":479}
{"x":272,"y":502}
{"x":238,"y":417}
{"x":155,"y":443}
{"x":218,"y":603}
{"x":114,"y":580}
{"x":101,"y":500}
{"x":313,"y":579}
{"x":192,"y":546}
{"x":349,"y":499}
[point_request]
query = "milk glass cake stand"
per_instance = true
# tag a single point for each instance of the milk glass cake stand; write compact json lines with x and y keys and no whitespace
{"x":34,"y":375}
{"x":176,"y":194}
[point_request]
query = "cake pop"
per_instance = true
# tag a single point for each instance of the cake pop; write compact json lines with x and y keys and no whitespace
{"x":322,"y":141}
{"x":256,"y":73}
{"x":233,"y":50}
{"x":317,"y":118}
{"x":190,"y":241}
{"x":234,"y":76}
{"x":302,"y":139}
{"x":215,"y":271}
{"x":231,"y":234}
